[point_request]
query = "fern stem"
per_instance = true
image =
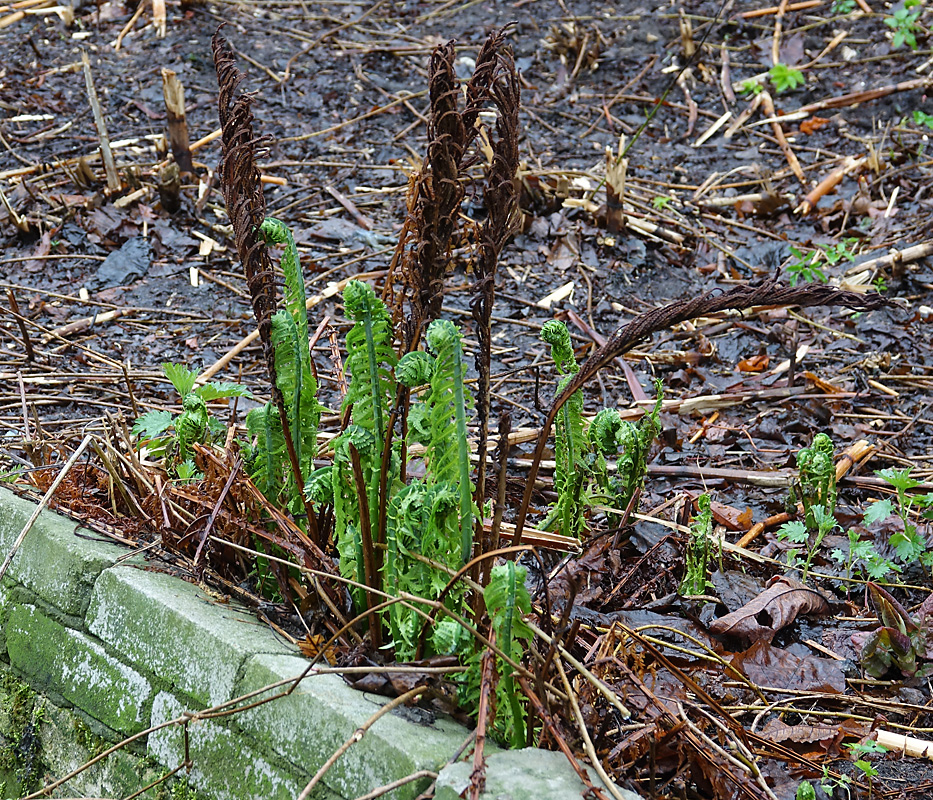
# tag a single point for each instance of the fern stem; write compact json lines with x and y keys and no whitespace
{"x":369,"y":563}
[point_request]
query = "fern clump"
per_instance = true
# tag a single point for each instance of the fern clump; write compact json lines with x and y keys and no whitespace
{"x":581,"y":472}
{"x":608,"y":435}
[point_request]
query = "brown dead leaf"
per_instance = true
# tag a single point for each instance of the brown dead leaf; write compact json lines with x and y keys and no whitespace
{"x":777,"y":606}
{"x":779,"y":731}
{"x":766,"y":665}
{"x":813,"y":124}
{"x":754,"y":364}
{"x":730,"y":517}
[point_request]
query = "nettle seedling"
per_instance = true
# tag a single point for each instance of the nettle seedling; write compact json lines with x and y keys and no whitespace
{"x":171,"y":436}
{"x":807,"y":266}
{"x":910,"y":544}
{"x":905,"y":22}
{"x":785,"y":79}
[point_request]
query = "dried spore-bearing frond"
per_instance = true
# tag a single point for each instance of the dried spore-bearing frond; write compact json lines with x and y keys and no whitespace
{"x":242,"y":189}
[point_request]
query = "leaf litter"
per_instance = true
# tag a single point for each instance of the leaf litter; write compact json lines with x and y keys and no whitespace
{"x":746,"y":691}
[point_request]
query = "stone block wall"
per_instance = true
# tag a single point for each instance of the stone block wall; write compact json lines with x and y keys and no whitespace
{"x":95,"y":648}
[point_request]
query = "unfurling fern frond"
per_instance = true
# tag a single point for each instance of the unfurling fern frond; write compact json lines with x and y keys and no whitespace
{"x":448,"y":454}
{"x":371,"y":359}
{"x":507,"y":600}
{"x":570,"y":444}
{"x":294,"y":380}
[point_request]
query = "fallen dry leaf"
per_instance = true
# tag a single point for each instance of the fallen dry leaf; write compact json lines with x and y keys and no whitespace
{"x":754,"y":364}
{"x":766,"y":665}
{"x":777,"y":606}
{"x":813,"y":124}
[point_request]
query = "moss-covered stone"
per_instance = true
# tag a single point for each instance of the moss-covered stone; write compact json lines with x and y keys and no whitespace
{"x":75,"y":667}
{"x":21,"y":712}
{"x":226,"y":764}
{"x":308,"y":725}
{"x":57,"y":560}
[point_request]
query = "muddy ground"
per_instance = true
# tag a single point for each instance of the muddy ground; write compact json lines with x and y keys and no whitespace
{"x":340,"y":94}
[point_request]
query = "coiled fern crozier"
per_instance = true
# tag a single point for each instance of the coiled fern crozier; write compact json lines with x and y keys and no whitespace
{"x":570,"y":444}
{"x":579,"y":458}
{"x":294,"y":379}
{"x":609,"y":434}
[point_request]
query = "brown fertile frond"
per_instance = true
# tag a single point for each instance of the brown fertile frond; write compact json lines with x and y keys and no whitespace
{"x":246,"y":207}
{"x":484,"y":74}
{"x":243,"y":197}
{"x":500,"y":198}
{"x":769,"y":292}
{"x":439,"y":187}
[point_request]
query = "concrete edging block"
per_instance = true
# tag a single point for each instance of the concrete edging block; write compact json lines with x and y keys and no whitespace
{"x":57,"y":565}
{"x":224,"y":764}
{"x":541,"y":774}
{"x":171,"y":628}
{"x":323,"y":712}
{"x":76,"y":667}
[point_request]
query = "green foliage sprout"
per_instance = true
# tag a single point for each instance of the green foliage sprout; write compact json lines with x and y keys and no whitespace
{"x":570,"y":443}
{"x":816,"y":477}
{"x":785,"y":78}
{"x":905,"y":22}
{"x":698,"y":550}
{"x":172,"y":436}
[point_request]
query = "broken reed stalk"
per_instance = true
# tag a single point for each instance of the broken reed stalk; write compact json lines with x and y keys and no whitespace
{"x":174,"y":95}
{"x":246,"y":208}
{"x":106,"y":154}
{"x":500,"y":198}
{"x":769,"y":292}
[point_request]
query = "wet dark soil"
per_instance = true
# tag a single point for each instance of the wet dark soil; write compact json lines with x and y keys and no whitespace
{"x":340,"y":97}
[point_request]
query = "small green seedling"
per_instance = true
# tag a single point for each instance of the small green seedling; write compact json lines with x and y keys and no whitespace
{"x":863,"y":560}
{"x":805,"y":791}
{"x":751,"y":87}
{"x":909,"y":544}
{"x":660,"y":203}
{"x":922,"y":118}
{"x":785,"y":79}
{"x":808,"y":268}
{"x":905,"y":24}
{"x":172,"y":436}
{"x":843,"y":7}
{"x":698,"y":550}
